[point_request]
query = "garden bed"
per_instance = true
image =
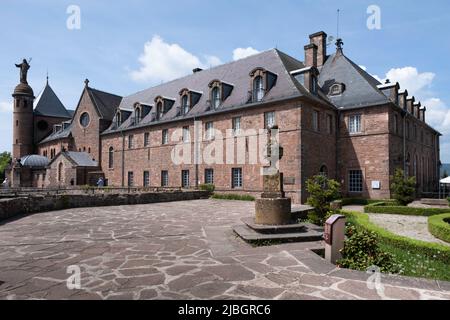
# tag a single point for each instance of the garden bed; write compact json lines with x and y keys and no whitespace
{"x":417,"y":258}
{"x":387,"y":208}
{"x":439,"y":226}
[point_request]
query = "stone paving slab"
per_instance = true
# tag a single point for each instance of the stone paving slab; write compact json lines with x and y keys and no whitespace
{"x":183,"y":250}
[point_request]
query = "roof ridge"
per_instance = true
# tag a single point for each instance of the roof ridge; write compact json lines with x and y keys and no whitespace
{"x":212,"y":68}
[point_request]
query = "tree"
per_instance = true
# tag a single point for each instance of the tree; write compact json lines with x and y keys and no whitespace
{"x":403,"y":188}
{"x":321,"y":191}
{"x":5,"y":160}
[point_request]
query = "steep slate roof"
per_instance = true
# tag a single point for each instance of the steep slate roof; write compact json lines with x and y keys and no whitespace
{"x":49,"y":105}
{"x":360,"y":87}
{"x":78,"y":159}
{"x":65,"y":133}
{"x":34,"y":161}
{"x":106,"y":103}
{"x":235,"y":73}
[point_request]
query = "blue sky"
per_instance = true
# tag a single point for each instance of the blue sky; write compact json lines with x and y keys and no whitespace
{"x":127,"y":46}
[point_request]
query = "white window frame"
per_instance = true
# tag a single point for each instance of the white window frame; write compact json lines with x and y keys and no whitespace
{"x":269,"y":119}
{"x":209,"y":176}
{"x":236,"y":125}
{"x":185,"y":179}
{"x":209,"y":130}
{"x":237,"y":180}
{"x":355,"y":123}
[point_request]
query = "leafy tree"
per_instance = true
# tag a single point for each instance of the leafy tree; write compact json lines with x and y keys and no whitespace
{"x":321,"y":191}
{"x":5,"y":160}
{"x":403,"y":188}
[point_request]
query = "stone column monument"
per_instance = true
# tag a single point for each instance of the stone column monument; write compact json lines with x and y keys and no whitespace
{"x":273,"y":208}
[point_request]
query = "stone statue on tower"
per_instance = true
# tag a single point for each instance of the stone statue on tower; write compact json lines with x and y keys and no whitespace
{"x":24,"y":67}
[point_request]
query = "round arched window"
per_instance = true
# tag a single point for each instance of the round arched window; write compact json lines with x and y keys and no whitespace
{"x":85,"y":119}
{"x":42,"y":125}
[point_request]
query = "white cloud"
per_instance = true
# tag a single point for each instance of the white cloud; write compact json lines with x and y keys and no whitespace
{"x":241,"y":53}
{"x":6,"y":107}
{"x":162,"y":61}
{"x":438,"y":115}
{"x":409,"y":78}
{"x":363,"y":67}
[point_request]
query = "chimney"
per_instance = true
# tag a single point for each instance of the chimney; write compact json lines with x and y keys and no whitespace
{"x":311,"y":55}
{"x":410,"y":105}
{"x":422,"y":112}
{"x":320,"y":40}
{"x":402,"y":96}
{"x":417,"y":107}
{"x":390,"y":90}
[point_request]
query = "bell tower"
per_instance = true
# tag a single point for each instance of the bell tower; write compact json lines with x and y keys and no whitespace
{"x":23,"y":115}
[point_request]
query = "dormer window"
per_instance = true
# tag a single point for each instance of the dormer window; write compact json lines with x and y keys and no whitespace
{"x":159,"y":110}
{"x":262,"y":81}
{"x":185,"y":104}
{"x":215,"y":97}
{"x":118,"y":119}
{"x":337,"y":89}
{"x":258,"y":89}
{"x":189,"y":98}
{"x":163,"y":105}
{"x":220,"y":91}
{"x":137,"y":114}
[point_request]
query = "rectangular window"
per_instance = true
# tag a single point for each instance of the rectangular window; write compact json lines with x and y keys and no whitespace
{"x":130,"y":141}
{"x":146,"y":178}
{"x":329,"y":124}
{"x":236,"y":125}
{"x":164,"y":178}
{"x":269,"y":120}
{"x":186,"y":134}
{"x":355,"y":181}
{"x":236,"y":177}
{"x":209,"y":130}
{"x":315,"y":120}
{"x":185,"y":179}
{"x":130,"y":178}
{"x":355,"y":123}
{"x":165,"y":136}
{"x":209,"y":176}
{"x":146,"y":139}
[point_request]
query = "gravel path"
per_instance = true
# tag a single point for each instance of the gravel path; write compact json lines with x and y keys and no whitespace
{"x":409,"y":226}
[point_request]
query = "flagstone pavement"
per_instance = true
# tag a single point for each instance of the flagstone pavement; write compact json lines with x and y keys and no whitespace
{"x":178,"y":250}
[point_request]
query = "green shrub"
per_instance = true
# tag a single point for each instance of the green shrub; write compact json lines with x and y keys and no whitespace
{"x":361,"y":251}
{"x":321,"y":192}
{"x":207,"y":187}
{"x":230,"y":196}
{"x":448,"y":199}
{"x":431,"y":250}
{"x":381,"y":207}
{"x":363,"y":202}
{"x":439,"y":226}
{"x":403,"y":189}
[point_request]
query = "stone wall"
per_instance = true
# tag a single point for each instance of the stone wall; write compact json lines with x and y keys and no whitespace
{"x":43,"y":203}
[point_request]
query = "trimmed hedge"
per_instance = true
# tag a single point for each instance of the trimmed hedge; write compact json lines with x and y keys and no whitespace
{"x":431,"y":250}
{"x":207,"y":187}
{"x":364,"y":202}
{"x":381,"y":207}
{"x":230,"y":196}
{"x":439,"y":226}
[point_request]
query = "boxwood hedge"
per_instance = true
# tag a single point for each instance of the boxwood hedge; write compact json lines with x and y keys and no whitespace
{"x":363,"y":202}
{"x":439,"y":226}
{"x":432,"y":250}
{"x":383,"y":207}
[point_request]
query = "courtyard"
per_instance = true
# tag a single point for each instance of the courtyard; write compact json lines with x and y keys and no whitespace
{"x":176,"y":250}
